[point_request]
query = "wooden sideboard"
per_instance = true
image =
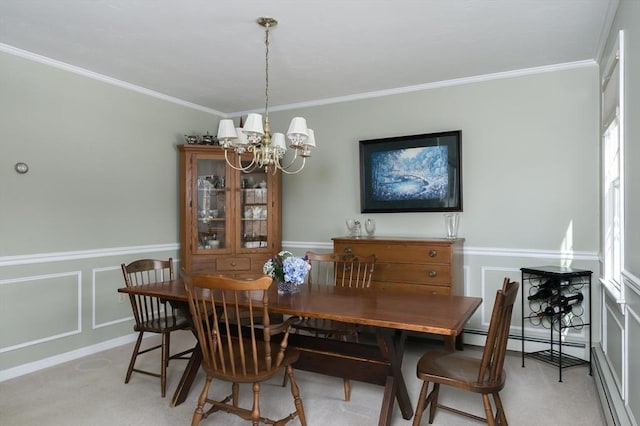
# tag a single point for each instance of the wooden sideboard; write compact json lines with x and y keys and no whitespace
{"x":433,"y":265}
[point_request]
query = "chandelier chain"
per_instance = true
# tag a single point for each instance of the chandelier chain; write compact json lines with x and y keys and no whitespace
{"x":266,"y":71}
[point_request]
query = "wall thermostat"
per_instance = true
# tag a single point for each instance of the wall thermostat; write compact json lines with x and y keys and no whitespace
{"x":22,"y":168}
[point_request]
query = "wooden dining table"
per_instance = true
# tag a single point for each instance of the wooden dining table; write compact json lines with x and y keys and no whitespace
{"x":389,"y":313}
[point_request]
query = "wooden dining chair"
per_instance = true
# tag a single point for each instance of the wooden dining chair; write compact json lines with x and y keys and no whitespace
{"x":342,"y":270}
{"x":484,"y":375}
{"x":153,"y":315}
{"x":237,"y":353}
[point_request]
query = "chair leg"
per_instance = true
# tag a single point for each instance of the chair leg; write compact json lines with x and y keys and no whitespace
{"x":502,"y":418}
{"x":168,"y":348}
{"x":422,"y":400}
{"x":295,"y":392}
{"x":347,"y":384}
{"x":255,"y":412}
{"x":433,"y":398}
{"x":491,"y":421}
{"x":165,"y":361}
{"x":134,"y":355}
{"x":197,"y":415}
{"x":234,"y":394}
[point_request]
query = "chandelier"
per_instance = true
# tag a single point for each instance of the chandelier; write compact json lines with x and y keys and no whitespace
{"x":255,"y":136}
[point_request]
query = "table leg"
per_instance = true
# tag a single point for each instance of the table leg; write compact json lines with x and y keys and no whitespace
{"x":193,"y":365}
{"x":189,"y":375}
{"x":459,"y":342}
{"x":390,"y":389}
{"x":392,"y":345}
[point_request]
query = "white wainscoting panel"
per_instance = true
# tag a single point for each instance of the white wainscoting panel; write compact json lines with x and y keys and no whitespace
{"x":108,"y":306}
{"x":40,"y":302}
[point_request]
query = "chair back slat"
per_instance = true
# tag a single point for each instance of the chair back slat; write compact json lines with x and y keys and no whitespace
{"x":340,"y":269}
{"x":150,"y":313}
{"x":323,"y":269}
{"x":232,"y":348}
{"x":355,"y":271}
{"x":492,"y":364}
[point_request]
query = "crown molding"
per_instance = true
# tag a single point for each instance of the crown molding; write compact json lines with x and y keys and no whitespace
{"x":607,"y":26}
{"x":360,"y":96}
{"x":428,"y":86}
{"x":103,"y":78}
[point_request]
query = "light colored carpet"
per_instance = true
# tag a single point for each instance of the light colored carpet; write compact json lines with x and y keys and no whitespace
{"x":91,"y":392}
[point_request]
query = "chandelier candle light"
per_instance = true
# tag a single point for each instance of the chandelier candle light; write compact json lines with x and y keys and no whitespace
{"x":255,"y":137}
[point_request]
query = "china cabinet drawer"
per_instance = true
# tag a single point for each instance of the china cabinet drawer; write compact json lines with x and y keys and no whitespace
{"x":233,"y":264}
{"x":433,"y":265}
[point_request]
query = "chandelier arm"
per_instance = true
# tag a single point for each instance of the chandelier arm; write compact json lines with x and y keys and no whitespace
{"x":247,"y":169}
{"x":293,"y":160}
{"x":285,"y":171}
{"x":259,"y":157}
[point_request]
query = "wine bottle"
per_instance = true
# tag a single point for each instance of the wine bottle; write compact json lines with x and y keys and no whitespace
{"x":567,"y":300}
{"x":550,"y":283}
{"x":555,"y":310}
{"x":543,"y":293}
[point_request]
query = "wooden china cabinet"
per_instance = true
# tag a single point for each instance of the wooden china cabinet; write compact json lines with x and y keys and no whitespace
{"x":230,"y":220}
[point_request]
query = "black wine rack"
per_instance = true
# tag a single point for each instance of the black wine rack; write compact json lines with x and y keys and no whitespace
{"x":558,"y":298}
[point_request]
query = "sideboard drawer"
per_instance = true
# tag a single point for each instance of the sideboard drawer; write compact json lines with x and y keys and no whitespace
{"x":417,"y":273}
{"x":423,"y":253}
{"x":443,"y":290}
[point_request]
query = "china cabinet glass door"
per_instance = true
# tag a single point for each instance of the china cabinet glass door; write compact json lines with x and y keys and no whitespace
{"x":254,"y":210}
{"x":212,"y":205}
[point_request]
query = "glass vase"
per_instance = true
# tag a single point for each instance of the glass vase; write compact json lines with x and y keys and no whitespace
{"x":451,"y":224}
{"x":370,"y":227}
{"x":285,"y":287}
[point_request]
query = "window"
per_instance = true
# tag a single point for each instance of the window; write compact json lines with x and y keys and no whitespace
{"x":612,"y":168}
{"x":612,"y":202}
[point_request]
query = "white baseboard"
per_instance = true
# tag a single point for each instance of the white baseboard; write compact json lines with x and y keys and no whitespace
{"x":612,"y":404}
{"x":23,"y":369}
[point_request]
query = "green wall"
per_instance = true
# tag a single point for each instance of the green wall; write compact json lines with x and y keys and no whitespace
{"x":103,"y":161}
{"x":529,"y":154}
{"x":103,"y":189}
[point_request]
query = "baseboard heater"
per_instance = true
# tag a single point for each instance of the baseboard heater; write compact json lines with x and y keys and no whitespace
{"x":529,"y":339}
{"x":613,"y":406}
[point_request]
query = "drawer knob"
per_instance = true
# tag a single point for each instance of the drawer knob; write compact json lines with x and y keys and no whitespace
{"x":233,"y":263}
{"x":432,"y":274}
{"x":348,"y":250}
{"x":433,"y":253}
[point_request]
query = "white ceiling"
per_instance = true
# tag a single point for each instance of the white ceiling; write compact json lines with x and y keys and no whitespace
{"x":211,"y":53}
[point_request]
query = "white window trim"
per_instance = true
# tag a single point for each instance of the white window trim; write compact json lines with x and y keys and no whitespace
{"x":615,"y":287}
